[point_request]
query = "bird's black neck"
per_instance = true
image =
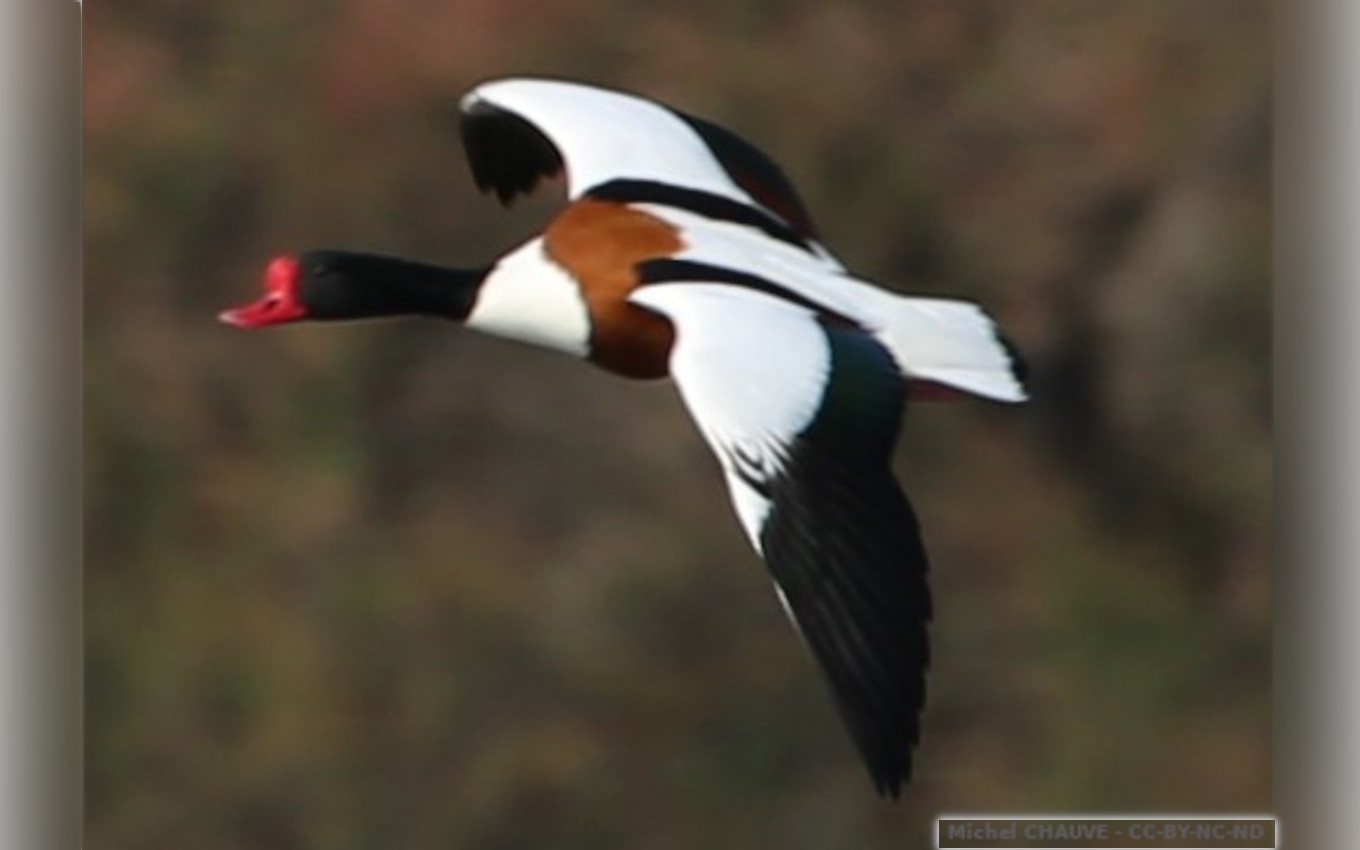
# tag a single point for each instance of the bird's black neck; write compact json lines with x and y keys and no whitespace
{"x":351,"y":285}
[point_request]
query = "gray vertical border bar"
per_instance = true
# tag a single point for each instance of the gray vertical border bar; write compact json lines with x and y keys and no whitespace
{"x":1317,"y":613}
{"x":40,"y":624}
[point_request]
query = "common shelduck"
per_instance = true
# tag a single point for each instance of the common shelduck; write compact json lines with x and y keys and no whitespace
{"x":684,"y":252}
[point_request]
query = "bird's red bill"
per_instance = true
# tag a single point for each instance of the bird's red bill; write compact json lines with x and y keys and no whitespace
{"x":279,"y":303}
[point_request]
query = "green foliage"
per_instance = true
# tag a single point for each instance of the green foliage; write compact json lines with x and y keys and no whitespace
{"x":396,"y":586}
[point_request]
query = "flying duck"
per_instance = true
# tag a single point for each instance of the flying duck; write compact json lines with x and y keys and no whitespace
{"x":683,"y":252}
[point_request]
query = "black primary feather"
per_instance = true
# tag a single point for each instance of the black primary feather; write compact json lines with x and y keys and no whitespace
{"x":844,"y":546}
{"x":507,"y":154}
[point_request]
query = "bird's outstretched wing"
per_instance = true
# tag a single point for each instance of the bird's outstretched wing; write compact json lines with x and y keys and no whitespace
{"x":619,"y":146}
{"x":803,"y":415}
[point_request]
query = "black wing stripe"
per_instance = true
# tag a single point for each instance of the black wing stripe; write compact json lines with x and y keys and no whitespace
{"x":507,"y":154}
{"x":755,"y":172}
{"x":699,"y":202}
{"x":670,"y":270}
{"x":844,"y":546}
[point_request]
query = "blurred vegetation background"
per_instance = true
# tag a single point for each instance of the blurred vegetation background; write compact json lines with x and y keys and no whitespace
{"x":395,"y":585}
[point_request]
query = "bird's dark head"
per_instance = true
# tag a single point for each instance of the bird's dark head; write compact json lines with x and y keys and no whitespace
{"x":330,"y":285}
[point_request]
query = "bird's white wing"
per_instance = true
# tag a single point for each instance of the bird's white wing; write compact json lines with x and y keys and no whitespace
{"x":803,"y":416}
{"x":618,"y":146}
